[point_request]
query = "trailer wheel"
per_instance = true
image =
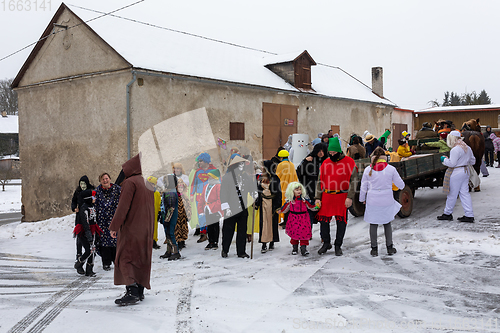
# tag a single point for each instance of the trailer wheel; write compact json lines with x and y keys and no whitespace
{"x":357,"y":208}
{"x":405,"y":198}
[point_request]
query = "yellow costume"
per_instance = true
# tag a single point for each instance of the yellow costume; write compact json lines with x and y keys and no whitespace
{"x":404,"y":151}
{"x":286,"y":173}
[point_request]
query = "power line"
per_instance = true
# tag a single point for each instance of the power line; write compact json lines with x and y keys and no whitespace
{"x":178,"y":31}
{"x":74,"y":26}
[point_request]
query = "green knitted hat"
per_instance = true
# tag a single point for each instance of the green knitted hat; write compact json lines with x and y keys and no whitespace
{"x":334,"y":145}
{"x":385,"y":135}
{"x":214,"y":173}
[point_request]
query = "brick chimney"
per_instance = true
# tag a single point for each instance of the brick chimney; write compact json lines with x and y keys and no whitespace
{"x":378,"y":81}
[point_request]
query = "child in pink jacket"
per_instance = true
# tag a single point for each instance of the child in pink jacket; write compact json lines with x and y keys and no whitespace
{"x":496,"y":146}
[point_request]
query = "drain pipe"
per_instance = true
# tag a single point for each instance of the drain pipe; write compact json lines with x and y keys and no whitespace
{"x":134,"y":78}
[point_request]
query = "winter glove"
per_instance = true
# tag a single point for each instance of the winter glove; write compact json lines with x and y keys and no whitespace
{"x":442,"y":158}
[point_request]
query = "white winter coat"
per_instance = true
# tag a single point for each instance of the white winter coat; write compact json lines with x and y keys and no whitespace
{"x":376,"y":190}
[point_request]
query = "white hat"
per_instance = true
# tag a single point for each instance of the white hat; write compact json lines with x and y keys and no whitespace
{"x":455,"y":133}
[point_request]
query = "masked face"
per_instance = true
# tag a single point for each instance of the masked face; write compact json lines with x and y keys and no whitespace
{"x":333,"y":156}
{"x":83,"y":185}
{"x":241,"y":166}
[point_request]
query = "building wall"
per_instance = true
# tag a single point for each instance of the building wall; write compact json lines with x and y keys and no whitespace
{"x":67,"y":130}
{"x":459,"y":117}
{"x":403,"y":117}
{"x":71,"y":52}
{"x":161,"y":98}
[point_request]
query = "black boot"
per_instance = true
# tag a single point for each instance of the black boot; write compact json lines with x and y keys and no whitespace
{"x":79,"y":267}
{"x":391,"y":250}
{"x":181,"y":245}
{"x":445,"y":217}
{"x":374,"y":252}
{"x":196,"y":232}
{"x":130,"y":297}
{"x":88,"y":270}
{"x":141,"y":291}
{"x":295,"y":249}
{"x":271,"y":246}
{"x":325,"y":247}
{"x":175,"y":254}
{"x":264,"y":248}
{"x":168,"y":252}
{"x":303,"y":250}
{"x":338,"y":251}
{"x":466,"y":219}
{"x":155,"y":245}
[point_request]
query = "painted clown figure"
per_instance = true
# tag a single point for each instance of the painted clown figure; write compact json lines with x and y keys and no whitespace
{"x":338,"y":177}
{"x":199,"y":181}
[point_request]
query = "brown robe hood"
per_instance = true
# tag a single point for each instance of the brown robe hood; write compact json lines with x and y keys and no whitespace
{"x":133,"y":222}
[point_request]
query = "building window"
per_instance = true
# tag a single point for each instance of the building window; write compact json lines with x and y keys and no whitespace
{"x":236,"y":131}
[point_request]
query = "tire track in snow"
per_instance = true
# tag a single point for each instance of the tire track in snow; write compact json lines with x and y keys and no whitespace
{"x":30,"y":318}
{"x":183,"y":312}
{"x":55,"y":311}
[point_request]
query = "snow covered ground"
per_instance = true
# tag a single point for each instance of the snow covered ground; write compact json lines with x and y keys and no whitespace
{"x":10,"y":199}
{"x":444,"y":278}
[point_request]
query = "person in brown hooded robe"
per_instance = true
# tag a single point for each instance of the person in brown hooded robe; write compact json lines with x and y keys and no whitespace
{"x":133,"y":227}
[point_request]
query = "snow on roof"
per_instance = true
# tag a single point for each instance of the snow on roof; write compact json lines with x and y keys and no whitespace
{"x":9,"y":124}
{"x":159,"y":49}
{"x":460,"y":108}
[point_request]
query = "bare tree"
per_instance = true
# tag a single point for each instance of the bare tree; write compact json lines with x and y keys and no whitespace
{"x":8,"y":97}
{"x":5,"y":177}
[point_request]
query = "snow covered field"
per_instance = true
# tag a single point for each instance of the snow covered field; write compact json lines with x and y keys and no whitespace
{"x":444,"y":278}
{"x":10,"y":199}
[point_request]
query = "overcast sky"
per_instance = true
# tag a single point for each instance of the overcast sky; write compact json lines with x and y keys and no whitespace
{"x":426,"y":47}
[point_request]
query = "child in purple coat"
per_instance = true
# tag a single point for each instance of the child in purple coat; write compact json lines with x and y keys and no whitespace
{"x":298,"y":223}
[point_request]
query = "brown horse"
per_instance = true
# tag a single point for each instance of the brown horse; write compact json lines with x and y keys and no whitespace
{"x":471,"y":131}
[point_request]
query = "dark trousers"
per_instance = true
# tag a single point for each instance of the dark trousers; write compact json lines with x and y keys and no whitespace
{"x":213,"y":231}
{"x":489,"y":157}
{"x":78,"y":247}
{"x":87,"y":254}
{"x":339,"y":237}
{"x":108,"y":254}
{"x":239,"y":220}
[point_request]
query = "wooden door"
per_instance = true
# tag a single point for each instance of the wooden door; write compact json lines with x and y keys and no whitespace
{"x":397,"y":129}
{"x":271,"y":124}
{"x":288,"y":122}
{"x":278,"y":122}
{"x":335,"y":129}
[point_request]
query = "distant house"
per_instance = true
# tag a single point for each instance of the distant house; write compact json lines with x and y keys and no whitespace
{"x":488,"y":114}
{"x":90,"y":89}
{"x":10,"y":167}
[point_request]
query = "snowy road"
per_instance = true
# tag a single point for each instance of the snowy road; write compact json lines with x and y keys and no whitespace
{"x":444,"y":278}
{"x":10,"y":217}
